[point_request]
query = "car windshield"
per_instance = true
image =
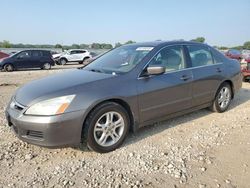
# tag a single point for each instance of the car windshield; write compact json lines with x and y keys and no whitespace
{"x":119,"y":60}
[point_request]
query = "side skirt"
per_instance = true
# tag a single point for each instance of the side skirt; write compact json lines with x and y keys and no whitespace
{"x":170,"y":116}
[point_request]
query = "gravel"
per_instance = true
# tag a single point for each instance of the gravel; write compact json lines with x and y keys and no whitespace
{"x":195,"y":150}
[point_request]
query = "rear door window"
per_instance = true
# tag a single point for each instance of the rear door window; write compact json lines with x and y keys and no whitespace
{"x":73,"y":52}
{"x":218,"y":57}
{"x":36,"y":54}
{"x":200,"y":55}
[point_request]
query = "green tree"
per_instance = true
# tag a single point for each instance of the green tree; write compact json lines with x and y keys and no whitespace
{"x":106,"y":46}
{"x":83,"y":46}
{"x":75,"y":46}
{"x":58,"y":46}
{"x":96,"y":46}
{"x":199,"y":39}
{"x":118,"y":44}
{"x":130,"y":42}
{"x":247,"y":45}
{"x":223,"y":48}
{"x":6,"y":44}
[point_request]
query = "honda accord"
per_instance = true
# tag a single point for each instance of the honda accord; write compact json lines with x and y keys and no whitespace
{"x":127,"y":88}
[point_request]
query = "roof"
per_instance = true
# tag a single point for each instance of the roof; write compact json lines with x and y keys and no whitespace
{"x":160,"y":43}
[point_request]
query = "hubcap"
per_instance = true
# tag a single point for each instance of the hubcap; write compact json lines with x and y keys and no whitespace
{"x":224,"y":97}
{"x":109,"y":128}
{"x":46,"y":65}
{"x":8,"y":67}
{"x":63,"y":62}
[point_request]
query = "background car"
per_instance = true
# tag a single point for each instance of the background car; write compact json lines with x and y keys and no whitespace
{"x":246,"y":72}
{"x":72,"y":56}
{"x":28,"y":59}
{"x":245,"y":55}
{"x":234,"y":54}
{"x":3,"y":55}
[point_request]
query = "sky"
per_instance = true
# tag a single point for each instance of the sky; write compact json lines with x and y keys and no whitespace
{"x":221,"y":22}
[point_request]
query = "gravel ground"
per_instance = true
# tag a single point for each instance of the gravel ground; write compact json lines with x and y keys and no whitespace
{"x":201,"y":149}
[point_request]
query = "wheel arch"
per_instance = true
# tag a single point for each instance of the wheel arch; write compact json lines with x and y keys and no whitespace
{"x":86,"y":57}
{"x":121,"y":102}
{"x":9,"y":63}
{"x":63,"y":58}
{"x":231,"y":85}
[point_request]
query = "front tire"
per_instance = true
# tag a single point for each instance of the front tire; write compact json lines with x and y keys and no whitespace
{"x":222,"y":99}
{"x":63,"y":61}
{"x":8,"y":68}
{"x":106,"y":127}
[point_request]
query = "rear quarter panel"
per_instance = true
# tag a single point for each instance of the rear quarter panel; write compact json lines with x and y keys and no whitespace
{"x":233,"y":73}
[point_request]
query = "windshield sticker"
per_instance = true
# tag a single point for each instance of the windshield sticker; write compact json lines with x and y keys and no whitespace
{"x":144,"y":48}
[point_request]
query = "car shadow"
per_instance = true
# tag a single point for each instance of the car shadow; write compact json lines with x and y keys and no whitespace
{"x":150,"y":130}
{"x":144,"y":132}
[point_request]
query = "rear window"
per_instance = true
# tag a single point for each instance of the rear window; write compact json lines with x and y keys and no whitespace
{"x":200,"y":55}
{"x":236,"y":52}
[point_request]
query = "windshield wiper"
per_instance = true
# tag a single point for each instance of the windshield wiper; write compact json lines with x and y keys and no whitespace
{"x":96,"y":70}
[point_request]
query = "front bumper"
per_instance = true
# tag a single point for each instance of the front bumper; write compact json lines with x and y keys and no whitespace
{"x":49,"y":131}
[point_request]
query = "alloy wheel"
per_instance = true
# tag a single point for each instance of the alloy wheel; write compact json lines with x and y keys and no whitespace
{"x":224,"y":97}
{"x":109,"y":128}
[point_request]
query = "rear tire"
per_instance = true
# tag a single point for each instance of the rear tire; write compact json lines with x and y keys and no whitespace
{"x":8,"y":68}
{"x":106,"y":127}
{"x":222,"y":99}
{"x":46,"y":66}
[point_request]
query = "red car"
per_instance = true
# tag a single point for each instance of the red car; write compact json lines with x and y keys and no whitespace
{"x":246,"y":72}
{"x":234,"y":54}
{"x":3,"y":55}
{"x":247,"y":59}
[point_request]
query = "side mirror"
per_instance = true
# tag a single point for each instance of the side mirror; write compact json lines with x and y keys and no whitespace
{"x":155,"y":70}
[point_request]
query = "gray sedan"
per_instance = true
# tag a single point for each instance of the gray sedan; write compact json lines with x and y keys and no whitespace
{"x":127,"y":88}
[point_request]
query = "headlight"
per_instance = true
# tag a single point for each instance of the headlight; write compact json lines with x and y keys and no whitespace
{"x":51,"y":107}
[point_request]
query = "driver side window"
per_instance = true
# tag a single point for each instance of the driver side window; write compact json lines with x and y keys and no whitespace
{"x":25,"y":54}
{"x":171,"y":58}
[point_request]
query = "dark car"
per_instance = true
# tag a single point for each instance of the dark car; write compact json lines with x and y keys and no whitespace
{"x":3,"y":55}
{"x":124,"y":89}
{"x":234,"y":54}
{"x":28,"y":59}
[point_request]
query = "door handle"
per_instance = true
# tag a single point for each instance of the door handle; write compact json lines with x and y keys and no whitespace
{"x":218,"y":70}
{"x":185,"y":77}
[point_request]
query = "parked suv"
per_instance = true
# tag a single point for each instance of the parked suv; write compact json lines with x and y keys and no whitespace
{"x":72,"y":56}
{"x":28,"y":59}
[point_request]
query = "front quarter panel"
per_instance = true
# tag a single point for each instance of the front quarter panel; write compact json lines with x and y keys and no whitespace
{"x":92,"y":94}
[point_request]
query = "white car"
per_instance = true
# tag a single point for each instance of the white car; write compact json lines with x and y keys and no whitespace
{"x":72,"y":56}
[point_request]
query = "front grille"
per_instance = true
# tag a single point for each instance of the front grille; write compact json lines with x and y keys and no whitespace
{"x":16,"y":105}
{"x":35,"y":134}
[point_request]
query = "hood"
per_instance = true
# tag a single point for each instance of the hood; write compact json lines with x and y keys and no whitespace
{"x":3,"y":58}
{"x":57,"y":85}
{"x":56,"y":55}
